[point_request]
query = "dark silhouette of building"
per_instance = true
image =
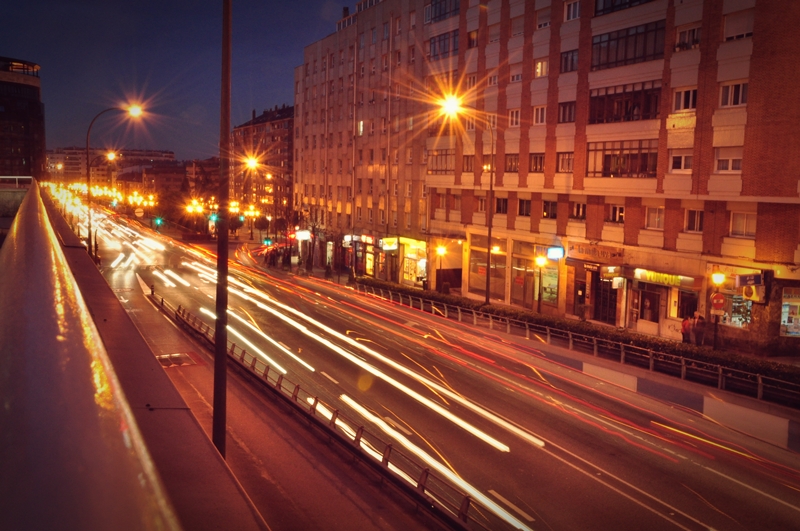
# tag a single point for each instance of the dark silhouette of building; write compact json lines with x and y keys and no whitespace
{"x":22,"y":140}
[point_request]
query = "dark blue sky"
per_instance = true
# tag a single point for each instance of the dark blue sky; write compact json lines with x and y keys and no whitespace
{"x":96,"y":54}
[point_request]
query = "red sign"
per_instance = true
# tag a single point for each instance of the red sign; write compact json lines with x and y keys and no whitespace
{"x":717,"y":301}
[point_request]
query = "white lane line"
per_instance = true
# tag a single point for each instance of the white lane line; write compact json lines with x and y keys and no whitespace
{"x":328,"y":376}
{"x":397,"y":426}
{"x":771,"y":497}
{"x":522,"y":513}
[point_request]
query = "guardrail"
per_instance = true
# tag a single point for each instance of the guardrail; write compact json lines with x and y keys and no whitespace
{"x":449,"y":503}
{"x":15,"y":181}
{"x":710,"y":374}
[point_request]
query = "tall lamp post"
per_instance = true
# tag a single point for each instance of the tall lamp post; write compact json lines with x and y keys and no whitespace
{"x":451,"y":106}
{"x":718,"y":278}
{"x":133,"y":110}
{"x":541,"y":261}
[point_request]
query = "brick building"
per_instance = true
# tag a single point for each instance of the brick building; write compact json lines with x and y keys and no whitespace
{"x":638,"y":145}
{"x":268,"y":139}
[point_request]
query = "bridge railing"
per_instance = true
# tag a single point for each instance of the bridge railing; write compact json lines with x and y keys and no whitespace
{"x":698,"y":371}
{"x":423,"y":484}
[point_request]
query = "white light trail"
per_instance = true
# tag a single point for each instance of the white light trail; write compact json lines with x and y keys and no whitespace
{"x":279,"y":346}
{"x":433,"y":463}
{"x":405,"y":370}
{"x":152,"y":244}
{"x":168,"y":282}
{"x":385,"y":377}
{"x":269,"y":361}
{"x":131,"y":259}
{"x":117,"y":261}
{"x":170,"y":273}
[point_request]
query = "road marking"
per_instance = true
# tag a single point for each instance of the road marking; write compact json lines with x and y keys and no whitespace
{"x":397,"y":426}
{"x":771,"y":497}
{"x":328,"y":376}
{"x":522,"y":513}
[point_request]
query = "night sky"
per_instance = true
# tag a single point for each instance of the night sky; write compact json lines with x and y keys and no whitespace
{"x":96,"y":54}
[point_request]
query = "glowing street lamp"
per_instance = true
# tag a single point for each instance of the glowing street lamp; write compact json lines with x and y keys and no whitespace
{"x":134,"y":111}
{"x":451,"y":106}
{"x":440,"y":251}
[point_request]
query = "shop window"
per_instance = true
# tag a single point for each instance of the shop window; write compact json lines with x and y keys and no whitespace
{"x":790,"y":312}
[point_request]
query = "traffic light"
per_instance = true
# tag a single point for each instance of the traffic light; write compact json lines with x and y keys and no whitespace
{"x":267,"y":241}
{"x":213,"y":217}
{"x":241,"y":218}
{"x":159,"y":221}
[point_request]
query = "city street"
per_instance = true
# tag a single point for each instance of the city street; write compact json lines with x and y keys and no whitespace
{"x":548,"y":447}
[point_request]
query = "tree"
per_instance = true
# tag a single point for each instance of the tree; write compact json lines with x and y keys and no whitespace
{"x":235,"y":223}
{"x":262,"y":224}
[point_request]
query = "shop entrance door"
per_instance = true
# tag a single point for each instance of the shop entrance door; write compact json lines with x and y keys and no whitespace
{"x":605,"y":305}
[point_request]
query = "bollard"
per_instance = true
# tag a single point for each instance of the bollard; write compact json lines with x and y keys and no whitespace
{"x":386,"y":452}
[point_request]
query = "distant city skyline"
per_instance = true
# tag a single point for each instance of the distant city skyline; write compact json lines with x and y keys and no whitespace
{"x":94,"y":55}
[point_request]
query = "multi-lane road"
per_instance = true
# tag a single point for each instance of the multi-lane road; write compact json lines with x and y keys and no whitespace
{"x":542,"y":445}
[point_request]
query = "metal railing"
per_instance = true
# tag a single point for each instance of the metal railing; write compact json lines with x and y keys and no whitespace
{"x":710,"y":374}
{"x":451,"y":504}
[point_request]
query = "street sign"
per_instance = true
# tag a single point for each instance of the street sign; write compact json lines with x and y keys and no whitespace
{"x":749,"y":280}
{"x":717,"y":312}
{"x":717,"y":301}
{"x":139,"y":212}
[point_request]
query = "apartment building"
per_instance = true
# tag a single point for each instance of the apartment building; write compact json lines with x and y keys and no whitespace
{"x":22,"y":141}
{"x":266,"y":139}
{"x":617,"y":152}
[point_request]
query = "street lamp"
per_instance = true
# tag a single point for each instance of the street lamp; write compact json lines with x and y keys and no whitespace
{"x":441,"y":251}
{"x":134,"y":111}
{"x":541,"y":261}
{"x":452,"y":106}
{"x":718,"y":278}
{"x":251,"y":213}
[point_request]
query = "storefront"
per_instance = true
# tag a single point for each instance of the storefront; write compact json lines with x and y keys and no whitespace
{"x":414,"y":260}
{"x":360,"y":253}
{"x":790,"y":312}
{"x":479,"y":265}
{"x":590,"y":294}
{"x":653,"y":302}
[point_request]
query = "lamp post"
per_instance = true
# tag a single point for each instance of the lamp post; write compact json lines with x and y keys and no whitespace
{"x":133,"y":110}
{"x":440,"y":251}
{"x":451,"y":106}
{"x":541,"y":261}
{"x":718,"y":278}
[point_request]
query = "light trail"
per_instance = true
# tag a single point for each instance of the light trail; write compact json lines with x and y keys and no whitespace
{"x":163,"y":277}
{"x":508,"y":426}
{"x":277,"y":345}
{"x":385,"y":377}
{"x":433,"y":463}
{"x":170,"y":273}
{"x":118,"y":260}
{"x":270,"y":362}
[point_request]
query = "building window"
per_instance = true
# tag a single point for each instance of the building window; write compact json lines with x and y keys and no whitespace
{"x":566,"y":112}
{"x":728,"y":159}
{"x":516,"y":77}
{"x":443,"y":45}
{"x":536,"y":164}
{"x":441,"y":161}
{"x":494,"y":33}
{"x":456,"y":202}
{"x":685,"y":99}
{"x":472,"y":80}
{"x":572,"y":10}
{"x":569,"y":61}
{"x":681,"y":160}
{"x":549,"y":209}
{"x":540,"y":68}
{"x":688,"y":38}
{"x":543,"y":18}
{"x":442,"y":9}
{"x":492,"y":80}
{"x":469,"y":123}
{"x":513,"y":118}
{"x":615,"y":214}
{"x":734,"y":95}
{"x":512,"y":162}
{"x":739,"y":25}
{"x":565,"y":162}
{"x":524,"y":208}
{"x":625,"y":103}
{"x":654,"y":218}
{"x":469,"y":163}
{"x":743,"y":224}
{"x":604,"y":7}
{"x":539,"y":115}
{"x":358,"y":213}
{"x":694,"y":221}
{"x":501,"y":205}
{"x":472,"y":39}
{"x":627,"y":158}
{"x":578,"y":211}
{"x":481,"y":204}
{"x":628,"y":46}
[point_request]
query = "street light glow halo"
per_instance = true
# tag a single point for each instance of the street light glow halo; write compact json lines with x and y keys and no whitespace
{"x":451,"y":105}
{"x":135,"y":110}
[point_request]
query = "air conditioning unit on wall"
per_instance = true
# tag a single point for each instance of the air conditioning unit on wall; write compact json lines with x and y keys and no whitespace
{"x":754,"y":293}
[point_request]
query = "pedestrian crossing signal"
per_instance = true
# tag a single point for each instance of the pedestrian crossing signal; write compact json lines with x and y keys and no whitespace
{"x":267,"y":241}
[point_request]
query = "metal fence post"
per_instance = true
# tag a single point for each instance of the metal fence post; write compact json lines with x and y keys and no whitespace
{"x":622,"y":353}
{"x":527,"y":331}
{"x":423,"y":479}
{"x":459,"y":313}
{"x":548,"y":334}
{"x":594,"y":346}
{"x":445,"y":311}
{"x":720,"y":378}
{"x":508,"y":326}
{"x":474,"y":318}
{"x":569,"y":334}
{"x":652,"y":361}
{"x":760,"y":386}
{"x":683,"y":368}
{"x":386,"y":452}
{"x":462,"y":512}
{"x":491,"y":322}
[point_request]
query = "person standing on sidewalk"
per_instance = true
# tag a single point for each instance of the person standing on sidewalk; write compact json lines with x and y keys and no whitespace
{"x":699,"y":331}
{"x":686,"y":329}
